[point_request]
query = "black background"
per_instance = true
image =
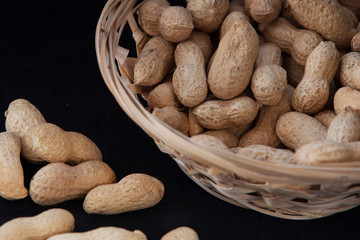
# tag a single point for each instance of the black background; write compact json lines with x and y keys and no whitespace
{"x":47,"y":55}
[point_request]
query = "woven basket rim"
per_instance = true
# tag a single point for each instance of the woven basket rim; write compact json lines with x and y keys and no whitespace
{"x":109,"y":26}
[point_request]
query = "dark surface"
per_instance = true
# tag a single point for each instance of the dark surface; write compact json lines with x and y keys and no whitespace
{"x":48,"y":57}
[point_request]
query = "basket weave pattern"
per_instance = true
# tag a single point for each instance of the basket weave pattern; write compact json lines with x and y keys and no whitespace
{"x":285,"y":191}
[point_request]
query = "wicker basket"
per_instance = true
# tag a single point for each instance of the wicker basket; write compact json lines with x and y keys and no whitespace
{"x":257,"y":185}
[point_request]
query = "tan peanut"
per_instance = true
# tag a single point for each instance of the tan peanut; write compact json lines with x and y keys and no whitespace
{"x":203,"y":40}
{"x":232,"y":65}
{"x":264,"y":131}
{"x":163,"y":95}
{"x":350,"y":70}
{"x":219,"y":114}
{"x":352,"y":5}
{"x":176,"y":24}
{"x":327,"y":152}
{"x":344,"y":97}
{"x":154,"y":62}
{"x":184,"y":233}
{"x":266,"y":154}
{"x":174,"y":118}
{"x":269,"y":53}
{"x":209,"y":140}
{"x":133,"y":192}
{"x":48,"y":142}
{"x":296,"y":129}
{"x":194,"y":125}
{"x":149,"y":14}
{"x":295,"y":71}
{"x":325,"y":117}
{"x":297,"y":42}
{"x":21,"y":115}
{"x":11,"y":171}
{"x":103,"y":233}
{"x":312,"y":93}
{"x":58,"y":182}
{"x":189,"y":78}
{"x":328,"y":18}
{"x":224,"y":135}
{"x":355,"y":43}
{"x":230,"y":19}
{"x":345,"y":127}
{"x":208,"y":15}
{"x":238,"y":131}
{"x":39,"y":227}
{"x":263,"y":11}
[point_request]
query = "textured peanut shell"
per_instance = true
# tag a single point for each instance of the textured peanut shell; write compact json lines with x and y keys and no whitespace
{"x":263,"y":11}
{"x":208,"y":15}
{"x":355,"y":43}
{"x":11,"y":171}
{"x":266,"y":154}
{"x":174,"y":118}
{"x":327,"y":152}
{"x":297,"y":42}
{"x":344,"y":97}
{"x":194,"y":125}
{"x":295,"y":71}
{"x":325,"y":117}
{"x":296,"y":129}
{"x":209,"y":140}
{"x":58,"y":182}
{"x":224,"y":135}
{"x":155,"y":61}
{"x":354,"y":6}
{"x":21,"y":115}
{"x":328,"y":18}
{"x":203,"y":40}
{"x":269,"y":53}
{"x":176,"y":24}
{"x":48,"y":142}
{"x":39,"y":227}
{"x":350,"y":70}
{"x":219,"y":114}
{"x":232,"y":66}
{"x":264,"y":131}
{"x":312,"y":93}
{"x":133,"y":192}
{"x":189,"y":78}
{"x":149,"y":14}
{"x":184,"y":233}
{"x":345,"y":127}
{"x":238,"y":131}
{"x":230,"y":19}
{"x":268,"y":84}
{"x":163,"y":95}
{"x":103,"y":233}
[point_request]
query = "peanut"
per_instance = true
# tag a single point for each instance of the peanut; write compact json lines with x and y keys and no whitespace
{"x":232,"y":65}
{"x":194,"y":125}
{"x":203,"y":40}
{"x":11,"y":171}
{"x":209,"y":140}
{"x":238,"y":131}
{"x":184,"y":233}
{"x":103,"y":233}
{"x":345,"y":127}
{"x":350,"y":69}
{"x":264,"y":131}
{"x":269,"y":53}
{"x":263,"y":11}
{"x":296,"y":129}
{"x":133,"y":192}
{"x":312,"y":93}
{"x":58,"y":182}
{"x":174,"y":118}
{"x":325,"y":117}
{"x":299,"y":43}
{"x":328,"y":18}
{"x":208,"y":15}
{"x":352,"y":5}
{"x":219,"y":114}
{"x":39,"y":227}
{"x":224,"y":135}
{"x":149,"y":14}
{"x":48,"y":142}
{"x":154,"y":62}
{"x":176,"y":24}
{"x":344,"y":97}
{"x":163,"y":95}
{"x":355,"y":43}
{"x":189,"y":79}
{"x":230,"y":19}
{"x":327,"y":152}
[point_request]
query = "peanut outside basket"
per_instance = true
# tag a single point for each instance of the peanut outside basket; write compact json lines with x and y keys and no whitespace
{"x":278,"y":190}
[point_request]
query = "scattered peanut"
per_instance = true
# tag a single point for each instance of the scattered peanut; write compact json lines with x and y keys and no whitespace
{"x":39,"y":227}
{"x":11,"y":171}
{"x":183,"y":233}
{"x":58,"y":182}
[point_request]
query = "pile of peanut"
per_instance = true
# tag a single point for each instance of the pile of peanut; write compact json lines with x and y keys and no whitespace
{"x":272,"y":80}
{"x":71,"y":168}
